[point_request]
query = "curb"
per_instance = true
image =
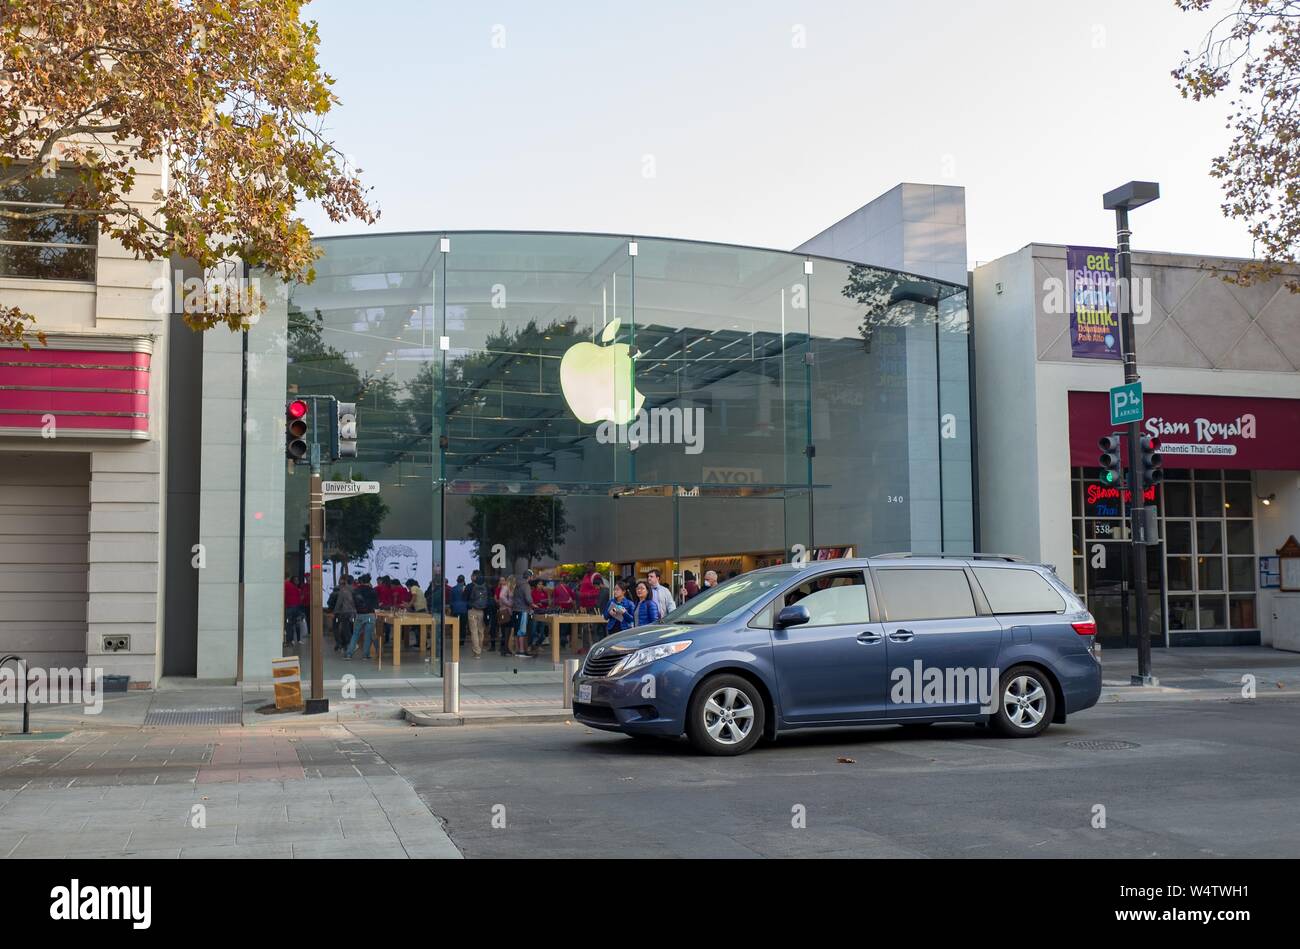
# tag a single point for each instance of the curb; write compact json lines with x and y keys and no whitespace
{"x":429,"y":719}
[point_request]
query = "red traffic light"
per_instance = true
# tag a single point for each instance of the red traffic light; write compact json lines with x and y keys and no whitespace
{"x":297,"y":409}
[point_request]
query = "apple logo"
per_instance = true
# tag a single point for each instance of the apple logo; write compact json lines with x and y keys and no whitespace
{"x":597,"y":380}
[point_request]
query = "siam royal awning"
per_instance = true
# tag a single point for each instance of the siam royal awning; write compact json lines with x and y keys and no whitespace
{"x":76,"y":386}
{"x":1197,"y":431}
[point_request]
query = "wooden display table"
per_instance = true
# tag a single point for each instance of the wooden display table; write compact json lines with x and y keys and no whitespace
{"x":424,"y":622}
{"x":577,"y":621}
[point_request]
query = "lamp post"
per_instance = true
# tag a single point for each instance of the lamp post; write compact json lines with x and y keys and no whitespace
{"x":1121,"y":201}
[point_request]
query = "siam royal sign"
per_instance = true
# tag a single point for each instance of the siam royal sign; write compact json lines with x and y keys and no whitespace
{"x":1198,"y":431}
{"x":1091,"y":288}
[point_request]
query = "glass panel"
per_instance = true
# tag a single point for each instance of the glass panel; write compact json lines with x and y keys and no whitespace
{"x":1076,"y":495}
{"x":1241,"y":612}
{"x":540,"y":328}
{"x":1178,"y":536}
{"x":1209,"y":499}
{"x":1212,"y":474}
{"x":47,"y":263}
{"x":1178,"y":499}
{"x":1241,"y":537}
{"x":1237,"y":475}
{"x":953,"y":331}
{"x":1182,"y":612}
{"x":1011,"y":590}
{"x":1209,"y":573}
{"x":1178,"y":474}
{"x":1209,"y":538}
{"x":911,"y":593}
{"x":1241,"y":573}
{"x":1239,"y":499}
{"x":1079,"y":586}
{"x":833,"y":600}
{"x":875,"y":405}
{"x":1212,"y":612}
{"x":1180,"y":573}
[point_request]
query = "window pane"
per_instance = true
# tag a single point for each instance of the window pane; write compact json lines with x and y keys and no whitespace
{"x":1076,"y":497}
{"x":1209,"y":573}
{"x":48,"y":263}
{"x":54,"y":229}
{"x":1209,"y":537}
{"x":1236,"y":475}
{"x":1241,"y":537}
{"x":1178,"y":499}
{"x":1239,"y":499}
{"x":833,"y":599}
{"x":911,"y":593}
{"x":1241,"y":573}
{"x":1178,"y":537}
{"x":1209,"y":500}
{"x":1177,"y":474}
{"x":1213,"y":612}
{"x":1210,"y":475}
{"x":1078,"y":576}
{"x":1014,"y":590}
{"x":1182,"y":612}
{"x":1241,"y":612}
{"x":1180,"y":573}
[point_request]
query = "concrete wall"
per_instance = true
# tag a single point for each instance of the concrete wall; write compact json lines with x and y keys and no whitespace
{"x":918,"y":228}
{"x":126,"y":489}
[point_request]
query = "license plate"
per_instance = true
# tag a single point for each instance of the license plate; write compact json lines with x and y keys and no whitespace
{"x":584,"y":693}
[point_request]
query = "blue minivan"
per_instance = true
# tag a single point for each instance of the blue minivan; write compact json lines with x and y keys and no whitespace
{"x":895,"y":639}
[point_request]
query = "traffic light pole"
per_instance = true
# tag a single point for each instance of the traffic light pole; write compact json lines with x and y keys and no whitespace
{"x":1137,"y":529}
{"x":316,"y":529}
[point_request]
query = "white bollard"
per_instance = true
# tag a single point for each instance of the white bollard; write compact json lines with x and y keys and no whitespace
{"x":570,"y":670}
{"x":451,"y":687}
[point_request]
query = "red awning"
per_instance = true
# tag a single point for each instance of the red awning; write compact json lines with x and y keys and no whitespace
{"x":1198,"y":431}
{"x":74,"y":392}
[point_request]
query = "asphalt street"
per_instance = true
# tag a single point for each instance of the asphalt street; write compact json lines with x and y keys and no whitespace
{"x":1201,"y":779}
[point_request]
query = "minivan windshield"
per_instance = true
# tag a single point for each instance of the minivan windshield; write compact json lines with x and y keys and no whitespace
{"x":726,"y":599}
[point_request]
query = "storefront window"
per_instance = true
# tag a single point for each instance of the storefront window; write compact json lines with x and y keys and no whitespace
{"x":558,"y":400}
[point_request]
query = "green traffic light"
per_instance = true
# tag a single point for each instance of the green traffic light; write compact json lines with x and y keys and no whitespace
{"x":1109,"y":477}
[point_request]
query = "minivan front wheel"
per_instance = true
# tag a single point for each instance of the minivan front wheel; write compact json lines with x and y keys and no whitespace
{"x":1027,"y":703}
{"x":726,"y":716}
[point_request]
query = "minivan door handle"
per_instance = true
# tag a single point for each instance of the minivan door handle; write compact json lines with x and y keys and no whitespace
{"x":868,"y":637}
{"x":901,"y":636}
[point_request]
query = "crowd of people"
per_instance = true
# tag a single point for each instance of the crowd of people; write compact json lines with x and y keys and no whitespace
{"x":500,"y":613}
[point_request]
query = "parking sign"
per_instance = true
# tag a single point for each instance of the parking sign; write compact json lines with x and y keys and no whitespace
{"x":1126,"y":404}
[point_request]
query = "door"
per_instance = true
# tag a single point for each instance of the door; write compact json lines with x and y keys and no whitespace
{"x":942,"y":653}
{"x":831,"y":669}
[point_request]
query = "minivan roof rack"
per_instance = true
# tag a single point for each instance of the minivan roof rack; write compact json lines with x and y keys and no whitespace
{"x":907,"y":555}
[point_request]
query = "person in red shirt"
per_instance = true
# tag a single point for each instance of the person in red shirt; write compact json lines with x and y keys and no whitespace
{"x":562,"y":596}
{"x":293,"y":612}
{"x":384,"y":591}
{"x":588,"y":594}
{"x":401,"y":596}
{"x":540,"y":599}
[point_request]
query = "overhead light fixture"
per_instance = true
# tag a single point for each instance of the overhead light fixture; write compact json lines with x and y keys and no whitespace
{"x":1266,"y":501}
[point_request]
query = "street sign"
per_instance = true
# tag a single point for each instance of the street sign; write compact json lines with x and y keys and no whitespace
{"x":1126,"y":404}
{"x":336,"y":490}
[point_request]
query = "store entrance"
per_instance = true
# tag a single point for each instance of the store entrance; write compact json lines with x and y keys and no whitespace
{"x":1110,"y":593}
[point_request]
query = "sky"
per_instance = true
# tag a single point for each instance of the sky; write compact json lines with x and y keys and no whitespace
{"x":762,"y":123}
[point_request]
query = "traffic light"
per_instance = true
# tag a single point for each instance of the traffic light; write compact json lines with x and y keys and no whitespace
{"x":295,"y":430}
{"x":1110,"y":464}
{"x":346,"y":431}
{"x":1152,"y":462}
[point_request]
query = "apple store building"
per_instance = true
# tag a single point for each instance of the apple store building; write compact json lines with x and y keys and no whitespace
{"x":548,"y":401}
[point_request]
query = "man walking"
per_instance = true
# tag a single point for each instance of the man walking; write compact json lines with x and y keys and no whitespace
{"x":366,"y":601}
{"x":479,"y":601}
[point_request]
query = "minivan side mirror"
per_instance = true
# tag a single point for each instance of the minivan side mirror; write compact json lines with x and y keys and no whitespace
{"x":795,"y":615}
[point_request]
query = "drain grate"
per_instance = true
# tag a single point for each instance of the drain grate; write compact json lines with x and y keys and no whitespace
{"x":193,"y":716}
{"x":1101,"y":744}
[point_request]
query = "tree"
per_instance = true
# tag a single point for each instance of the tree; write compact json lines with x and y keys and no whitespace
{"x":228,"y":93}
{"x":528,"y":526}
{"x":1254,"y":49}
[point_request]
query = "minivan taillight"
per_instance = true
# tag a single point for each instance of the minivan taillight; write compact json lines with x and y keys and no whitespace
{"x":1085,"y":629}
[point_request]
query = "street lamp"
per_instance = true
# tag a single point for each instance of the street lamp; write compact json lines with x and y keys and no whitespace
{"x":1121,"y":201}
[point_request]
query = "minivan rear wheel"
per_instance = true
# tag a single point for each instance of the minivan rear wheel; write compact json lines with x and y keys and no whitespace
{"x":726,"y":716}
{"x":1026,"y":703}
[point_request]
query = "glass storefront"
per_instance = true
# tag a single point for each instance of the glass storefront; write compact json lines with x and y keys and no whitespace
{"x":1205,"y":563}
{"x":549,"y":400}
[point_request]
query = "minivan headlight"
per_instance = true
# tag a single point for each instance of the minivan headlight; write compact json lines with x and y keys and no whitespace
{"x":643,"y":657}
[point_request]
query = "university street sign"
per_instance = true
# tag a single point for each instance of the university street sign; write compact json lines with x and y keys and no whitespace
{"x":336,"y":490}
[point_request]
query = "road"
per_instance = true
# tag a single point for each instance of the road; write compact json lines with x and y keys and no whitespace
{"x":1204,"y":779}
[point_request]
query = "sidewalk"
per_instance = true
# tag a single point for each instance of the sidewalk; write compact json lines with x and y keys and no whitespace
{"x":484,"y":697}
{"x":1216,"y":673}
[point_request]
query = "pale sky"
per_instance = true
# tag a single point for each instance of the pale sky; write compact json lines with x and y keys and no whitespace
{"x":764,"y":122}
